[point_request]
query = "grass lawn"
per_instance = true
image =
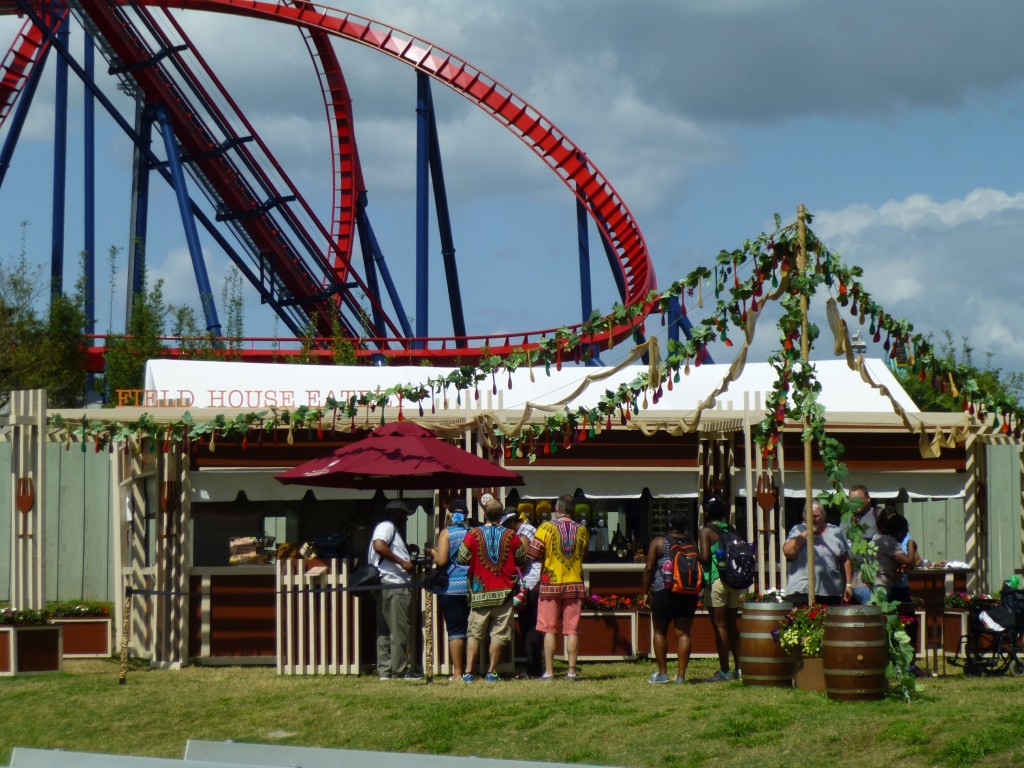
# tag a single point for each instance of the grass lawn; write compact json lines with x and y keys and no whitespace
{"x":612,"y":716}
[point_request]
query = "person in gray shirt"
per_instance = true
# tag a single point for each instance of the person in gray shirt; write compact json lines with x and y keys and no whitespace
{"x":833,"y":571}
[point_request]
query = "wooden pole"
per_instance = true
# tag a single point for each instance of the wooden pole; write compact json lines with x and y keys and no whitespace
{"x":801,"y":267}
{"x":126,"y":634}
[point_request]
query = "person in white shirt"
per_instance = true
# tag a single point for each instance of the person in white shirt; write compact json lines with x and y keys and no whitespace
{"x":389,"y":553}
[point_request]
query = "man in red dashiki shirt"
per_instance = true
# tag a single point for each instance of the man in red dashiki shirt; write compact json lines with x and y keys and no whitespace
{"x":495,"y":556}
{"x":560,"y":545}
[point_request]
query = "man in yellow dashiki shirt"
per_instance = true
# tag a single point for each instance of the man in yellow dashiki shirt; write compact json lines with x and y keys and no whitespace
{"x":560,"y":546}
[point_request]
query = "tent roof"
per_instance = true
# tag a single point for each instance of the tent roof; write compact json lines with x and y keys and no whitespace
{"x":209,"y":388}
{"x":249,"y":386}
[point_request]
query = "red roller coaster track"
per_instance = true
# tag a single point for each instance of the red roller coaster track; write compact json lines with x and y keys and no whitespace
{"x":610,"y":213}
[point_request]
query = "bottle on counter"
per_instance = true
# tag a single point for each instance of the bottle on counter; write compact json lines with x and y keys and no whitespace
{"x":619,"y":544}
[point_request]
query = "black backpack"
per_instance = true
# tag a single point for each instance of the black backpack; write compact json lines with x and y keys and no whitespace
{"x":737,"y":562}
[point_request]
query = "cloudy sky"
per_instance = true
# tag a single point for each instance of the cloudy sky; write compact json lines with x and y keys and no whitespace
{"x":897,"y":124}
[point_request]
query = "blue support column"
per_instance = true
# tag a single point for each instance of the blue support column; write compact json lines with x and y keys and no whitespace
{"x":444,"y":224}
{"x":60,"y":155}
{"x":586,"y":297}
{"x":583,"y":244}
{"x":368,"y":245}
{"x":89,"y":194}
{"x":139,"y":223}
{"x":188,"y":222}
{"x":373,"y":261}
{"x":673,"y":316}
{"x":422,"y":210}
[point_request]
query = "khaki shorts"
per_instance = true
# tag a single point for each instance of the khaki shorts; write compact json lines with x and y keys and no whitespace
{"x":496,"y":618}
{"x":721,"y":595}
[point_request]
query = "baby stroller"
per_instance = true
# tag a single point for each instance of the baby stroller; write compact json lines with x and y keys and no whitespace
{"x":992,"y":645}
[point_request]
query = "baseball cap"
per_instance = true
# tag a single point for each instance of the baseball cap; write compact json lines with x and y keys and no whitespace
{"x":459,"y":505}
{"x":510,"y":512}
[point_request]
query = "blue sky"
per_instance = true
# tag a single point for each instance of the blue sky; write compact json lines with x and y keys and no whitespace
{"x":897,"y":125}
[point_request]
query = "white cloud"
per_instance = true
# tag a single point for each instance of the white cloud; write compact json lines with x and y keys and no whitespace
{"x":943,"y":265}
{"x":918,"y":212}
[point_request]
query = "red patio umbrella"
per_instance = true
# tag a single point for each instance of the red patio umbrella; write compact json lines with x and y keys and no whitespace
{"x":400,"y":456}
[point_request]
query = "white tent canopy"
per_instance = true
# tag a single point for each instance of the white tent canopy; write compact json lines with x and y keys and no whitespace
{"x":259,"y":386}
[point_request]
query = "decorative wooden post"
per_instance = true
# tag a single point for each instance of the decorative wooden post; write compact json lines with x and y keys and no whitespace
{"x":28,"y":498}
{"x":172,"y":571}
{"x":801,"y":267}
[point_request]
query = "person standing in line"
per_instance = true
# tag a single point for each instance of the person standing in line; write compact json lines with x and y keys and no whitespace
{"x":892,"y":560}
{"x":454,"y":603}
{"x":833,"y":570}
{"x":722,"y":600}
{"x":560,"y":546}
{"x":494,"y":555}
{"x":533,"y":641}
{"x":390,"y":554}
{"x":665,"y":605}
{"x":866,"y":516}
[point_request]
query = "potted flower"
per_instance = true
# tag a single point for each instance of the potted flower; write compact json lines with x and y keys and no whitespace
{"x":768,"y":596}
{"x":29,"y":642}
{"x":800,"y":634}
{"x":23,"y":617}
{"x":607,"y":628}
{"x":87,"y":627}
{"x":610,"y":603}
{"x":964,"y":601}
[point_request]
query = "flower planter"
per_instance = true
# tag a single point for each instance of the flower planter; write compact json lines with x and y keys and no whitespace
{"x":31,"y":649}
{"x":856,"y":653}
{"x":86,"y":637}
{"x":809,"y":674}
{"x":761,"y":657}
{"x":954,"y":626}
{"x":702,"y":636}
{"x":605,"y":636}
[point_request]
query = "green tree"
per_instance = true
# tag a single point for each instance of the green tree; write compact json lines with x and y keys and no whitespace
{"x":41,"y":351}
{"x":938,"y":394}
{"x":128,"y":353}
{"x":234,"y":306}
{"x":194,"y":341}
{"x":63,"y":350}
{"x":343,"y":351}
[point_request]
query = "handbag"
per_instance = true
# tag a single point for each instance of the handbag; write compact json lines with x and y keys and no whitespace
{"x":366,"y":576}
{"x":436,"y":581}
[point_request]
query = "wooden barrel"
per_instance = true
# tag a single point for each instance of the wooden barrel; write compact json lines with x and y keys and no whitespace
{"x":761,"y":657}
{"x":855,"y":652}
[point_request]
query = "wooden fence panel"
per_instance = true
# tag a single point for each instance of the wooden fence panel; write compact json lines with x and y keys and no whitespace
{"x":937,"y":525}
{"x":7,"y":506}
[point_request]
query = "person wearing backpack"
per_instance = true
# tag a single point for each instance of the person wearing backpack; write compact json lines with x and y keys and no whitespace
{"x":718,"y":541}
{"x":672,"y":582}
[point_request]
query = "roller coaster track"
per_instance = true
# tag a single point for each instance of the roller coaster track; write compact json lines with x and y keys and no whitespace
{"x":29,"y":48}
{"x":260,"y":211}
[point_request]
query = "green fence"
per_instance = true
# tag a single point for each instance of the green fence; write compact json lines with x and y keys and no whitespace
{"x":80,"y":563}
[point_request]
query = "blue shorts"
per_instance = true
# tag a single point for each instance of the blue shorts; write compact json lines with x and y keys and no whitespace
{"x":455,"y":609}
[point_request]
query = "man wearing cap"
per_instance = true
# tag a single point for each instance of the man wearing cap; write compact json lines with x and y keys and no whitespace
{"x":389,"y":553}
{"x":533,"y":641}
{"x":560,"y":546}
{"x":494,"y":555}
